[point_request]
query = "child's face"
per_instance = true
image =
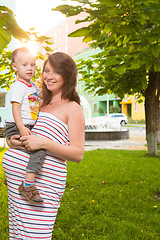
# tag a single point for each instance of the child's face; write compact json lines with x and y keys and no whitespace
{"x":24,"y":66}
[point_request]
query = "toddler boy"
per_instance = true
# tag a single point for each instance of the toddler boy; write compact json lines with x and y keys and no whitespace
{"x":25,"y":107}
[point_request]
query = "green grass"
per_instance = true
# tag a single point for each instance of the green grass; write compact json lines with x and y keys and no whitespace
{"x":3,"y":202}
{"x":130,"y":121}
{"x":110,"y":195}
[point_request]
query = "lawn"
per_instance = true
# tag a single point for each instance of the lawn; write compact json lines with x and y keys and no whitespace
{"x":110,"y":195}
{"x":3,"y":203}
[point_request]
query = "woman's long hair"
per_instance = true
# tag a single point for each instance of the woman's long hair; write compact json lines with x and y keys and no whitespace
{"x":64,"y":65}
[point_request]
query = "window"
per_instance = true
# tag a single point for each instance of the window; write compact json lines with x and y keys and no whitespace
{"x":135,"y":106}
{"x":2,"y":99}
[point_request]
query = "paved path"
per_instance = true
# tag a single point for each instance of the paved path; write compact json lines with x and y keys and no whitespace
{"x":136,"y":141}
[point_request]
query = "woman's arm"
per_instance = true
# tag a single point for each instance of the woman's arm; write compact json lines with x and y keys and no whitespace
{"x":76,"y":128}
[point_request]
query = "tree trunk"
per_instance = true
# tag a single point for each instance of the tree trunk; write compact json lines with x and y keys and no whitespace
{"x":158,"y":131}
{"x":152,"y":112}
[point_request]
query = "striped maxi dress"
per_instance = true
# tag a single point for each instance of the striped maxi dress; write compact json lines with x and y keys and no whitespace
{"x":31,"y":221}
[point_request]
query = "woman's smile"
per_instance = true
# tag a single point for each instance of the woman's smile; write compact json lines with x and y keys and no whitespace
{"x":53,"y":80}
{"x":50,"y":82}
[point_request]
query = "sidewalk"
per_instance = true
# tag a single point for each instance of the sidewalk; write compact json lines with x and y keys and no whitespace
{"x":136,"y":141}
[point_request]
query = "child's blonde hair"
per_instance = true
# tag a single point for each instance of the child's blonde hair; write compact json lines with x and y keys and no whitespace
{"x":22,"y":49}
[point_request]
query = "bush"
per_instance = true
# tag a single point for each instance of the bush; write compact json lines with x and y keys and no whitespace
{"x":114,"y":109}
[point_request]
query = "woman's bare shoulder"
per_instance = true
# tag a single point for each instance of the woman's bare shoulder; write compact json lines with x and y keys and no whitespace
{"x":75,"y":112}
{"x":74,"y":106}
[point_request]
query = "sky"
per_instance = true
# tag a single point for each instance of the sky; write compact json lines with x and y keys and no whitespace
{"x":38,"y":14}
{"x":35,"y":14}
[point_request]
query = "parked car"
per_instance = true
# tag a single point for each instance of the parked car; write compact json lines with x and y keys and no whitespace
{"x":122,"y":118}
{"x":94,"y":123}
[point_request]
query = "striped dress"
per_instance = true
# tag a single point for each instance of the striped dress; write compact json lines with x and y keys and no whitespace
{"x":27,"y":220}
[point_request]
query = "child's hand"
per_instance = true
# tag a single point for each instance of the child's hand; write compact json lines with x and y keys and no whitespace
{"x":25,"y":132}
{"x":14,"y":142}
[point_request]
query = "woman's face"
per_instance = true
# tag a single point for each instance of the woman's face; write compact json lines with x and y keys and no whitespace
{"x":53,"y":80}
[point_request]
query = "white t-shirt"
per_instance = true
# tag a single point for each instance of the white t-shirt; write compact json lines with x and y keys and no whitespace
{"x":26,"y":95}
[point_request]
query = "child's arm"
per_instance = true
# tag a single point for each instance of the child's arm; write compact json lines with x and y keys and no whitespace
{"x":40,"y":96}
{"x":18,"y":120}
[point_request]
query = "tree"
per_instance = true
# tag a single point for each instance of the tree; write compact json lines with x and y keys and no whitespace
{"x":128,"y":34}
{"x":9,"y":27}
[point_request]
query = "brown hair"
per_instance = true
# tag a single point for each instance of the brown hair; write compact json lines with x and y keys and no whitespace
{"x":64,"y":65}
{"x":22,"y":49}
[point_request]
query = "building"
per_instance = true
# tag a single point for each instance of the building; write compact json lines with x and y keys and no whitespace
{"x":76,"y":48}
{"x":133,"y":108}
{"x":62,"y":42}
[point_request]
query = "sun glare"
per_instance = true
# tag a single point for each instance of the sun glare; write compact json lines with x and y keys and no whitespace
{"x":31,"y":45}
{"x":37,"y":14}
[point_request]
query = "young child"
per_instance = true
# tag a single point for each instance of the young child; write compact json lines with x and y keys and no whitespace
{"x":25,"y":107}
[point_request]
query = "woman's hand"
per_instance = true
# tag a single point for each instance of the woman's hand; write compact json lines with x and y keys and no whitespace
{"x":32,"y":142}
{"x":14,"y":142}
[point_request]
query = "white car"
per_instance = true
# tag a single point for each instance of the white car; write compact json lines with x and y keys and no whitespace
{"x":122,"y":118}
{"x":94,"y":123}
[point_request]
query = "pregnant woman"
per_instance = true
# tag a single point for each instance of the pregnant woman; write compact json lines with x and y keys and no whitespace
{"x":60,"y":131}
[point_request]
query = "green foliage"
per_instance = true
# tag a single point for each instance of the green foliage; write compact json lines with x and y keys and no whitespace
{"x":128,"y":33}
{"x":114,"y":109}
{"x":7,"y":75}
{"x":3,"y":201}
{"x":110,"y":195}
{"x":68,"y":10}
{"x":9,"y":27}
{"x":6,"y":71}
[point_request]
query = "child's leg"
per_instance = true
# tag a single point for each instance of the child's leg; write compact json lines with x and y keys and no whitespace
{"x":34,"y":166}
{"x":35,"y":161}
{"x":27,"y":188}
{"x":29,"y":179}
{"x":11,"y":129}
